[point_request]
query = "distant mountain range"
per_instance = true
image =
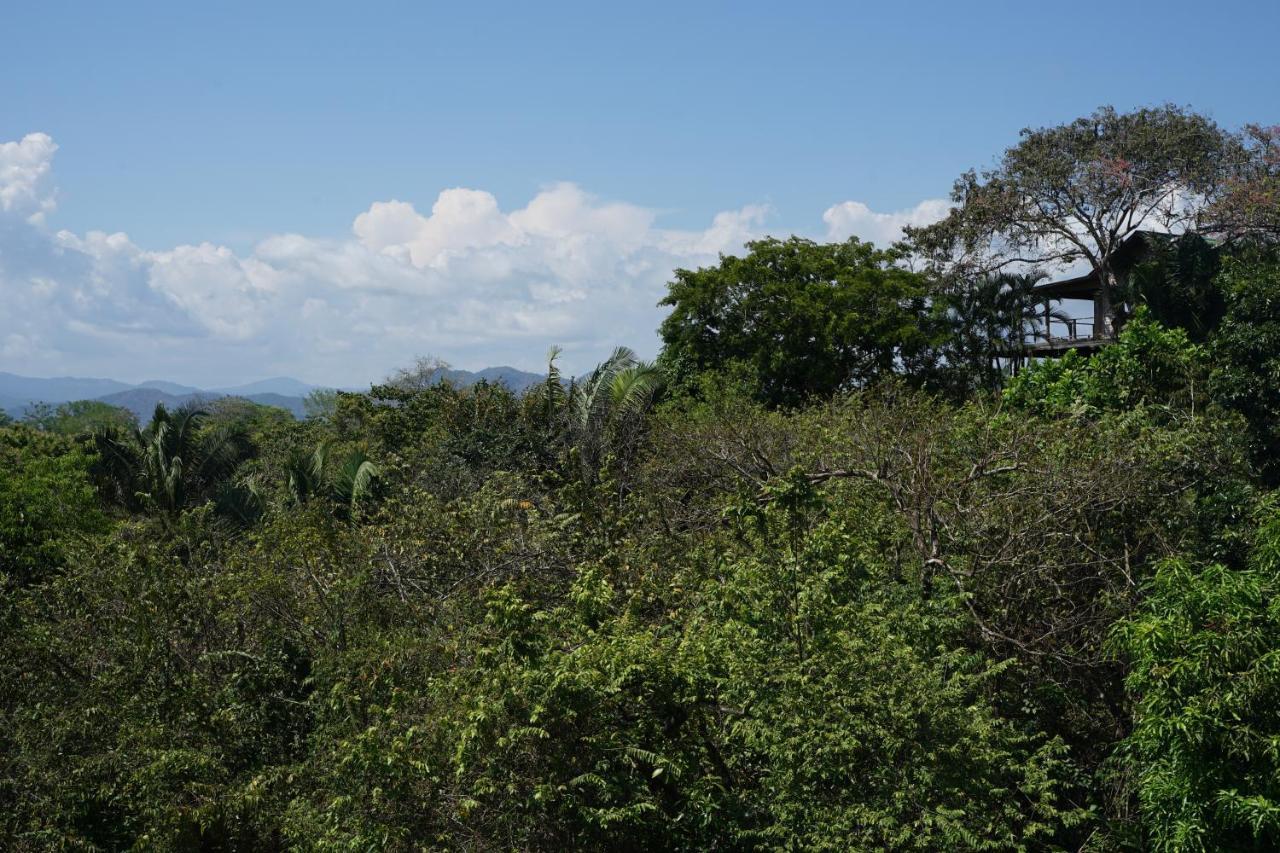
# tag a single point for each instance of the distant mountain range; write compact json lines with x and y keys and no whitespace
{"x":142,"y":400}
{"x":17,"y":393}
{"x":516,"y":380}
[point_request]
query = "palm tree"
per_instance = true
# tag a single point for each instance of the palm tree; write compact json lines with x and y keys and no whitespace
{"x":171,"y":463}
{"x":346,"y":482}
{"x":607,"y":409}
{"x":552,"y":393}
{"x":991,"y":318}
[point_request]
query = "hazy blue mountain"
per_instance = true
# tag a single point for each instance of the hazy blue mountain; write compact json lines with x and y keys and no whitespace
{"x":57,"y":389}
{"x":282,"y":385}
{"x":516,"y":380}
{"x":12,"y":406}
{"x":142,"y":401}
{"x":169,"y":387}
{"x":19,"y":392}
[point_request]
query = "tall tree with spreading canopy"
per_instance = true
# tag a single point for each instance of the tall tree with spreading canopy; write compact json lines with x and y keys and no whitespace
{"x":801,"y":319}
{"x":1074,"y":193}
{"x":1250,"y":205}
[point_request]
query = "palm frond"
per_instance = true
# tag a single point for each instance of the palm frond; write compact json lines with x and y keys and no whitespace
{"x":634,"y":389}
{"x":220,"y":451}
{"x":553,"y":370}
{"x":592,"y":399}
{"x":553,"y":390}
{"x":118,"y":462}
{"x":354,"y":479}
{"x":242,"y":503}
{"x":304,"y":472}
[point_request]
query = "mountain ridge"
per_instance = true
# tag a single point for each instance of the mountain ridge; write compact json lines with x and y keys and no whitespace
{"x":18,"y":392}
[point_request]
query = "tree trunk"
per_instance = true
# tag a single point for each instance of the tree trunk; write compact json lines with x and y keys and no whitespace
{"x":1104,"y":304}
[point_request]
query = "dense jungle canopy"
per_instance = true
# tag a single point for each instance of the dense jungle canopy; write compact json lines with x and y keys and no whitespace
{"x":827,"y":575}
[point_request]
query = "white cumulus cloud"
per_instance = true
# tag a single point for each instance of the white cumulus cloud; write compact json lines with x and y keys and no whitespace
{"x":856,"y":219}
{"x":24,"y":169}
{"x":467,"y":280}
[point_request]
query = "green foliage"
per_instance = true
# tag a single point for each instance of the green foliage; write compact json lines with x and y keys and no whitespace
{"x":1245,"y":351}
{"x":803,"y":319}
{"x":804,"y":584}
{"x":258,"y":420}
{"x":47,"y":504}
{"x":1205,"y":656}
{"x":1177,"y":282}
{"x":606,"y":411}
{"x":987,"y":320}
{"x":874,"y":736}
{"x":146,"y":712}
{"x":347,"y":482}
{"x":79,"y":417}
{"x":445,"y":438}
{"x":1148,"y":365}
{"x":871,"y":624}
{"x":176,"y":461}
{"x":321,"y":404}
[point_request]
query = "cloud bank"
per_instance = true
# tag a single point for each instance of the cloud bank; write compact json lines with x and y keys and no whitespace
{"x":855,"y":219}
{"x":466,"y":280}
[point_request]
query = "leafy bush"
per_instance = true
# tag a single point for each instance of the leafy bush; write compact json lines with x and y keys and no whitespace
{"x":1205,"y":656}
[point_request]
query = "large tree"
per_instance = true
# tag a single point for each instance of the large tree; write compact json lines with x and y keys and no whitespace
{"x":1075,"y":192}
{"x":1249,"y":207}
{"x":802,"y":319}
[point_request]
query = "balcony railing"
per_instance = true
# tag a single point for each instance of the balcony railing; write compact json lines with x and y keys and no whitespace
{"x":1063,"y":332}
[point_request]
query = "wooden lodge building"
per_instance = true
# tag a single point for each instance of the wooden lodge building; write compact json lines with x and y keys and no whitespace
{"x":1073,"y":315}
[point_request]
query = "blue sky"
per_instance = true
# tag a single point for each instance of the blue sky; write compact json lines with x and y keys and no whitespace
{"x":205,"y":164}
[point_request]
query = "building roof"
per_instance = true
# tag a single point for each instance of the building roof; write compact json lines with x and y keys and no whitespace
{"x":1085,"y":286}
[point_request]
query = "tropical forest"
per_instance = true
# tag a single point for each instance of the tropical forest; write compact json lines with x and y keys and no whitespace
{"x":887,"y":549}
